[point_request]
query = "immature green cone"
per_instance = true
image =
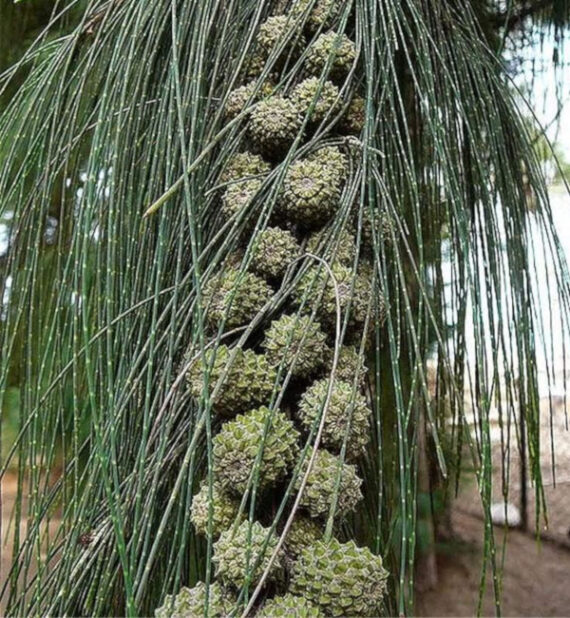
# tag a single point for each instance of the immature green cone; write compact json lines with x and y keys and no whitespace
{"x":303,"y":532}
{"x":191,"y":603}
{"x":243,"y":553}
{"x":238,"y":99}
{"x":323,"y":99}
{"x":347,"y":411}
{"x":224,"y":510}
{"x":289,"y":606}
{"x":243,"y":164}
{"x":237,"y":200}
{"x":352,"y":121}
{"x":350,"y":365}
{"x":310,"y":194}
{"x":334,"y":247}
{"x":338,"y":48}
{"x":238,"y":444}
{"x":354,"y":295}
{"x":377,"y":227}
{"x":236,"y":297}
{"x":246,"y":96}
{"x":333,"y":158}
{"x":342,"y":579}
{"x":276,"y":31}
{"x":273,"y":126}
{"x":275,"y":251}
{"x":321,"y":485}
{"x":248,"y":382}
{"x":296,"y":339}
{"x":323,"y":13}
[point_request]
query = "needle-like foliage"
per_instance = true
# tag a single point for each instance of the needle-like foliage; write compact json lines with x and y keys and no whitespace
{"x":104,"y":315}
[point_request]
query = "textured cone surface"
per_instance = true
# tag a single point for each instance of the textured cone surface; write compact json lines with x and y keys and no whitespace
{"x":338,"y":48}
{"x":310,"y":194}
{"x":333,"y":158}
{"x":238,"y":444}
{"x":236,"y":555}
{"x":340,"y":578}
{"x":303,"y":532}
{"x":275,"y":251}
{"x":347,"y":411}
{"x":237,"y":200}
{"x":296,"y":339}
{"x":242,"y":165}
{"x":224,"y":510}
{"x":238,"y":99}
{"x":289,"y":606}
{"x":248,"y":381}
{"x":354,"y":294}
{"x":333,"y":247}
{"x":376,"y":228}
{"x":273,"y":126}
{"x":322,"y":14}
{"x":275,"y":31}
{"x":254,"y":65}
{"x":321,"y":485}
{"x":246,"y":96}
{"x":322,"y":99}
{"x":353,"y":119}
{"x":350,"y":365}
{"x":191,"y":603}
{"x":236,"y":296}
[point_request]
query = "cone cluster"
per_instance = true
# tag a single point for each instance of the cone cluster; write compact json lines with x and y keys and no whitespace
{"x":268,"y":401}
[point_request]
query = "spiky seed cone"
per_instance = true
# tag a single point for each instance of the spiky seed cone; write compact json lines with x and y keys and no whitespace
{"x":337,"y":247}
{"x":339,"y":48}
{"x":319,"y":492}
{"x":289,"y":606}
{"x":323,"y":13}
{"x":236,"y":297}
{"x":236,"y":555}
{"x":273,"y":126}
{"x":191,"y":603}
{"x":238,"y":99}
{"x":246,"y":95}
{"x":333,"y":158}
{"x":275,"y":251}
{"x":276,"y":31}
{"x":376,"y":228}
{"x":225,"y":510}
{"x":350,"y":365}
{"x":342,"y":579}
{"x":310,"y":194}
{"x":237,"y":200}
{"x":352,"y":121}
{"x":242,"y":165}
{"x":354,"y":293}
{"x":296,"y":339}
{"x":320,"y":100}
{"x":248,"y":381}
{"x":253,"y":66}
{"x":347,"y":411}
{"x":303,"y":532}
{"x":238,"y":444}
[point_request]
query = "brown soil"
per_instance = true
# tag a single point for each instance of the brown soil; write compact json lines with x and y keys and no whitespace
{"x":535,"y":580}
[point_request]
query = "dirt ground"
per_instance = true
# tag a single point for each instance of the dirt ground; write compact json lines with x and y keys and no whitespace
{"x":536,"y":577}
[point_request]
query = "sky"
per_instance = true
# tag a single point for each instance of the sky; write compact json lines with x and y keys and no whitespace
{"x":550,"y":87}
